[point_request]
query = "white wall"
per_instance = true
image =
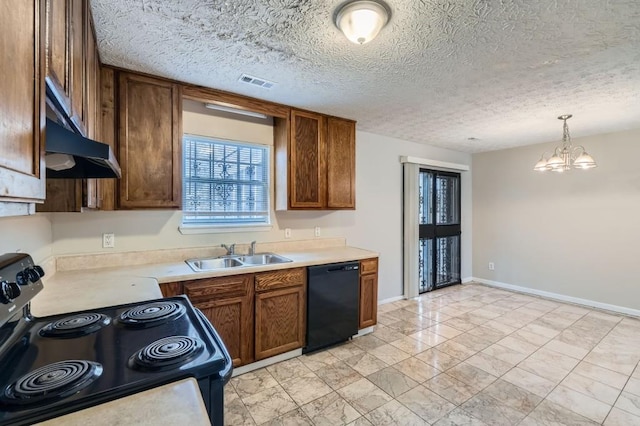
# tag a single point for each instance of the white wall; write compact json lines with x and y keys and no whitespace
{"x":575,"y":234}
{"x":376,"y":224}
{"x":27,"y":234}
{"x":198,"y":120}
{"x":378,"y":215}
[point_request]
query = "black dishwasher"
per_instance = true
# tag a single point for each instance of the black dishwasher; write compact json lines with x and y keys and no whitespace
{"x":332,"y":304}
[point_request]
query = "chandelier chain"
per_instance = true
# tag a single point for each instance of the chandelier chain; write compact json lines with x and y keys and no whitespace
{"x":566,"y":137}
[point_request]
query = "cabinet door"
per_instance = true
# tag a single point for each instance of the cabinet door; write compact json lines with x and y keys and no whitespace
{"x":368,"y":293}
{"x":149,"y":142}
{"x":108,"y":131}
{"x":77,"y":58}
{"x":307,"y":172}
{"x":59,"y":51}
{"x":92,"y":194}
{"x":228,"y":304}
{"x":22,"y":169}
{"x":231,"y":320}
{"x":65,"y":57}
{"x":73,"y":75}
{"x":341,"y":163}
{"x":280,"y":321}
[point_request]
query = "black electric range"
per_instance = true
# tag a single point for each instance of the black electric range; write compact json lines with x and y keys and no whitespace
{"x":55,"y":365}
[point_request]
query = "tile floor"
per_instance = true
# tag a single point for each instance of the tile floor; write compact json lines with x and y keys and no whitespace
{"x":463,"y":355}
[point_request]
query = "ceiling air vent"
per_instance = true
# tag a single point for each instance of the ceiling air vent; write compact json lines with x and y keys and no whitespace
{"x":260,"y":82}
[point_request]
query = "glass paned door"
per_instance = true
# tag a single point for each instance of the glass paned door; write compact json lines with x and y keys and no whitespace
{"x":439,"y":243}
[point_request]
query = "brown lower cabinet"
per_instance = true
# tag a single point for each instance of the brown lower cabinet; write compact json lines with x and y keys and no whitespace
{"x":228,"y":303}
{"x":368,"y":293}
{"x":265,"y":311}
{"x":280,"y":311}
{"x":264,"y":314}
{"x":171,"y":289}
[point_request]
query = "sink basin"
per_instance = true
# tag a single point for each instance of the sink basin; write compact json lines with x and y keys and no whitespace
{"x":263,"y":259}
{"x":199,"y":265}
{"x":225,"y":262}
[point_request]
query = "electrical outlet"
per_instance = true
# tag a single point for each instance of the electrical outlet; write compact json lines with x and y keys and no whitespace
{"x":287,"y":232}
{"x":316,"y":231}
{"x":108,"y":240}
{"x":492,"y":266}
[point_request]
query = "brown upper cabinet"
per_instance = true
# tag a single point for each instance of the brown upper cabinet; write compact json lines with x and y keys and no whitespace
{"x":66,"y":57}
{"x":140,"y":116}
{"x":22,"y":41}
{"x":92,"y":197}
{"x":315,"y":162}
{"x":73,"y":77}
{"x":341,"y":163}
{"x":307,"y":161}
{"x":149,"y":143}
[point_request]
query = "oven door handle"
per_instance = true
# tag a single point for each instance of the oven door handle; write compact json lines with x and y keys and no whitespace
{"x":225,"y":373}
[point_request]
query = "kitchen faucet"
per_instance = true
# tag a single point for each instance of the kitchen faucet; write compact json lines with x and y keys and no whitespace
{"x":231,"y":249}
{"x":252,"y":248}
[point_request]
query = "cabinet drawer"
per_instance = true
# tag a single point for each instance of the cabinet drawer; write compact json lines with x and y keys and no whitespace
{"x":233,"y":286}
{"x":280,"y":279}
{"x":368,"y":266}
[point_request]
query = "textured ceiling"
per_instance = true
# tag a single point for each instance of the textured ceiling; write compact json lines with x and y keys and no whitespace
{"x":441,"y":72}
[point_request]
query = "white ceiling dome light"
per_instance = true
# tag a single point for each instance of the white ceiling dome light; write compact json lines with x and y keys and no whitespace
{"x":362,"y":20}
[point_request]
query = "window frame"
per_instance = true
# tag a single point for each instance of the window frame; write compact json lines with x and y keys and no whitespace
{"x":187,"y":227}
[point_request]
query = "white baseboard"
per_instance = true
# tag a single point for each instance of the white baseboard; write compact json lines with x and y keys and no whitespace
{"x":390,"y":300}
{"x":560,"y":297}
{"x":364,"y":332}
{"x":396,"y":298}
{"x":266,"y":362}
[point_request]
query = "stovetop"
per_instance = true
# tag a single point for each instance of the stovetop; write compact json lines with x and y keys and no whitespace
{"x":114,"y":357}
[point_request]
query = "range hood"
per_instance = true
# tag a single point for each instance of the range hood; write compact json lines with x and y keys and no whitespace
{"x":70,"y":155}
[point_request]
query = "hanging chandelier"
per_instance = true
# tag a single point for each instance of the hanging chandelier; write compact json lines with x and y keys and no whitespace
{"x":566,"y":157}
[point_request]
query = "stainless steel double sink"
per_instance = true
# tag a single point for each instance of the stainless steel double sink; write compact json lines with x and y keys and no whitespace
{"x":235,"y":261}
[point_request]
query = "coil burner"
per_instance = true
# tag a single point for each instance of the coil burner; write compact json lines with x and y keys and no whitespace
{"x":151,"y":314}
{"x":75,"y":326}
{"x":170,"y":352}
{"x":53,"y":381}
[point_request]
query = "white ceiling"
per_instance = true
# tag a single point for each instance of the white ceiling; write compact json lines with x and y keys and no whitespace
{"x":439,"y":73}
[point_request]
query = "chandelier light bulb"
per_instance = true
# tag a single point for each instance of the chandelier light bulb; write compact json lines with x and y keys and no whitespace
{"x":585,"y":161}
{"x":555,"y":162}
{"x":541,"y":165}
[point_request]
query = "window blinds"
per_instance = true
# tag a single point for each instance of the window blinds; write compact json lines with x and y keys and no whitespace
{"x":224,"y":182}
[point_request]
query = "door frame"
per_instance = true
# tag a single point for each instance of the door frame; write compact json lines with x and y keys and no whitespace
{"x":411,"y":170}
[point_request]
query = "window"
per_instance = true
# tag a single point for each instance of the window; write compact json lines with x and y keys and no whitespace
{"x":225,"y":183}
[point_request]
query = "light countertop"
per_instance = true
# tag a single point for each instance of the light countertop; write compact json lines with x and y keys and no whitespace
{"x":74,"y":291}
{"x":78,"y":290}
{"x":178,"y":403}
{"x":180,"y":271}
{"x":92,"y":288}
